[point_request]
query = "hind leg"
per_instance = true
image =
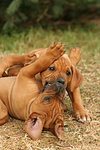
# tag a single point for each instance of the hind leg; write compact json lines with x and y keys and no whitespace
{"x":19,"y":61}
{"x":12,"y":60}
{"x":3,"y":113}
{"x":14,"y":70}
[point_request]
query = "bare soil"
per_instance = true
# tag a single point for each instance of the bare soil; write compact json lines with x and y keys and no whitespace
{"x":78,"y":136}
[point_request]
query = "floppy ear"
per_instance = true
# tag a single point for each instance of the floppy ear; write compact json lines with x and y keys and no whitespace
{"x":59,"y":130}
{"x":76,"y":80}
{"x":34,"y":126}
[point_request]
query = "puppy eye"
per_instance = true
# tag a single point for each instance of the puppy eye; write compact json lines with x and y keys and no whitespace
{"x":51,"y":68}
{"x":46,"y":99}
{"x":68,"y":73}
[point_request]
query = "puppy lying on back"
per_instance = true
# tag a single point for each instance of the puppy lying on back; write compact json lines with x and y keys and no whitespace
{"x":47,"y":112}
{"x":21,"y":96}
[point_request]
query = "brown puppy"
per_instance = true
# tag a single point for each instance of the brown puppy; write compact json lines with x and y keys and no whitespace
{"x":73,"y":58}
{"x":22,"y":94}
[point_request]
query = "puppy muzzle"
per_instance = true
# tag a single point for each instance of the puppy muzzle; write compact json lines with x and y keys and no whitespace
{"x":55,"y":87}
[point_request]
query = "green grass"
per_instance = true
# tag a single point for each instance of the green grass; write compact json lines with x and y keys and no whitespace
{"x":20,"y":42}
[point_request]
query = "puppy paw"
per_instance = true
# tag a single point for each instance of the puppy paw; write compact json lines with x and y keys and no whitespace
{"x":31,"y":57}
{"x":56,"y":50}
{"x":75,"y":55}
{"x":83,"y":116}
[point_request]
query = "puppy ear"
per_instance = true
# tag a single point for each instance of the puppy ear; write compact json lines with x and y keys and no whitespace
{"x":76,"y":80}
{"x":34,"y":126}
{"x":59,"y":130}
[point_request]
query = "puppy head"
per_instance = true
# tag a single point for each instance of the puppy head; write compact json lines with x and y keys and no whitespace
{"x":63,"y":71}
{"x":47,"y":112}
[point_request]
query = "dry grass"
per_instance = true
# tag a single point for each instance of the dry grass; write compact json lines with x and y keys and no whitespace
{"x":77,"y":135}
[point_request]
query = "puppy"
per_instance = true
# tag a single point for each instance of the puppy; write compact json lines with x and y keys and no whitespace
{"x":22,"y":94}
{"x":52,"y":72}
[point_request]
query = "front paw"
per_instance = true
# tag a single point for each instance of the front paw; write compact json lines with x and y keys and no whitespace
{"x":55,"y":50}
{"x":83,"y":116}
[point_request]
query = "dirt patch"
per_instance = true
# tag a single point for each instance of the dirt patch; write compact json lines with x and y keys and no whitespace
{"x":77,"y":135}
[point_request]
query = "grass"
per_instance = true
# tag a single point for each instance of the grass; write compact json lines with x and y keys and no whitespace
{"x":77,"y":135}
{"x":19,"y":42}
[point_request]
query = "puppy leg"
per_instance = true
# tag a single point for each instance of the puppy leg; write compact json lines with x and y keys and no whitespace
{"x":75,"y":55}
{"x":14,"y":70}
{"x":12,"y":60}
{"x":43,"y":62}
{"x":19,"y":61}
{"x":3,"y":113}
{"x":80,"y":113}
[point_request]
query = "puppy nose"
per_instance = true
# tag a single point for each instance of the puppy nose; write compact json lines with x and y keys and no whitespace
{"x":60,"y":80}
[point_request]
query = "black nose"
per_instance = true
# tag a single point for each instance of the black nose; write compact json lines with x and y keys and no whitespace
{"x":60,"y":80}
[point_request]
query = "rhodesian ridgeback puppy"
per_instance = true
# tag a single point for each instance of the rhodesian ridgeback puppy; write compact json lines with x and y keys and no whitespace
{"x":73,"y":57}
{"x":24,"y":91}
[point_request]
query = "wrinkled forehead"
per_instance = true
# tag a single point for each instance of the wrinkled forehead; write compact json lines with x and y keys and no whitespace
{"x":63,"y":61}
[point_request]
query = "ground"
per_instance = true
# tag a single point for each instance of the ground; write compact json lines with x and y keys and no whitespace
{"x":77,"y":136}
